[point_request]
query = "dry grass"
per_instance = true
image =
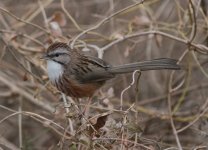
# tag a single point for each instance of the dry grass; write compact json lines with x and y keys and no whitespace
{"x":149,"y":110}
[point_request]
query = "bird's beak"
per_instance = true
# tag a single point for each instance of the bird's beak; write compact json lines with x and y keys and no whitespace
{"x":44,"y":56}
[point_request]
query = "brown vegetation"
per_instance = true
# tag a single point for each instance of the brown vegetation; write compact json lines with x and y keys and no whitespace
{"x":150,"y":110}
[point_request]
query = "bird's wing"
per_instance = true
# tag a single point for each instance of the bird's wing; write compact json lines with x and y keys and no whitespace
{"x":96,"y":70}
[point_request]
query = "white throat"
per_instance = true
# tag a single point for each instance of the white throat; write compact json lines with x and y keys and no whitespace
{"x":55,"y":70}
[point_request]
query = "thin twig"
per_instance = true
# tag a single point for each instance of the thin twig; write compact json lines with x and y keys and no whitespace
{"x":199,"y":65}
{"x":26,"y":22}
{"x":194,"y":26}
{"x":103,"y":22}
{"x":66,"y":106}
{"x":16,"y":89}
{"x":195,"y":120}
{"x":32,"y":115}
{"x":69,"y":16}
{"x":131,"y":84}
{"x":128,"y":141}
{"x":20,"y":122}
{"x":171,"y":114}
{"x":137,"y":34}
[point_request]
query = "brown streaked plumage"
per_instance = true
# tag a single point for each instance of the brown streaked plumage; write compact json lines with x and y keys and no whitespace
{"x":78,"y":75}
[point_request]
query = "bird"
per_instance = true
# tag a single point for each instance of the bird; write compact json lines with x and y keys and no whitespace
{"x":79,"y":75}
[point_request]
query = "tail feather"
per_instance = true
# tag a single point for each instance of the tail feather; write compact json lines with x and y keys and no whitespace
{"x":155,"y":64}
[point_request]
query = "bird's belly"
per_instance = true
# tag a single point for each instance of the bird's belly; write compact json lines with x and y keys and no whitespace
{"x":76,"y":89}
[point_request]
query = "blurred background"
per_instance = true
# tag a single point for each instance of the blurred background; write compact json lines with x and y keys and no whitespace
{"x":149,"y":110}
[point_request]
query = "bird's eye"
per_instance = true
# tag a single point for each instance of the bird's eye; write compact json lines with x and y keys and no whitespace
{"x":56,"y":55}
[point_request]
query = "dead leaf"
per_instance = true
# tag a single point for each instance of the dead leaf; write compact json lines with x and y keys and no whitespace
{"x":55,"y":28}
{"x":110,"y":92}
{"x":59,"y":18}
{"x":159,"y":40}
{"x":101,"y":120}
{"x":25,"y":77}
{"x":141,"y":20}
{"x":126,"y":52}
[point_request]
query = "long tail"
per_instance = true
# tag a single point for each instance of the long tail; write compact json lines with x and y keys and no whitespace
{"x":155,"y":64}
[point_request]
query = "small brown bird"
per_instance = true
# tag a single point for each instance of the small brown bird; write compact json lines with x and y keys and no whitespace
{"x":78,"y":75}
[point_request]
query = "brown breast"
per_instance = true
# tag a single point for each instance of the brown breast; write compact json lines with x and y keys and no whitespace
{"x":75,"y":89}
